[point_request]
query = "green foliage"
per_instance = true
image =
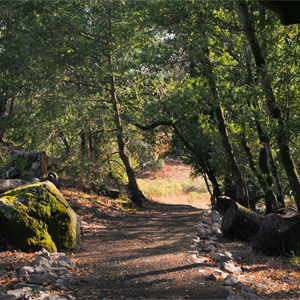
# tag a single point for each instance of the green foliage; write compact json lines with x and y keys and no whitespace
{"x":55,"y":85}
{"x":293,"y":259}
{"x":4,"y":158}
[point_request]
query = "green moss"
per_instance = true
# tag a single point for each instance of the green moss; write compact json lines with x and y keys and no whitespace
{"x":22,"y":163}
{"x":126,"y":203}
{"x":26,"y":232}
{"x":113,"y":194}
{"x":46,"y":217}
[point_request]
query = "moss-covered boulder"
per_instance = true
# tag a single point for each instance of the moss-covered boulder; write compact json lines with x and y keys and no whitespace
{"x":37,"y":216}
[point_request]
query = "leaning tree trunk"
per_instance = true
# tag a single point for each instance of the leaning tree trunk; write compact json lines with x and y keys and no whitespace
{"x":275,"y":176}
{"x":270,"y":200}
{"x":266,"y":161}
{"x":25,"y":165}
{"x":230,"y":158}
{"x":240,"y":222}
{"x":204,"y":164}
{"x":282,"y":135}
{"x":137,"y":195}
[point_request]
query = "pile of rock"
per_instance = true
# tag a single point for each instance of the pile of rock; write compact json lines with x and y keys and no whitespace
{"x":205,"y":245}
{"x":49,"y":269}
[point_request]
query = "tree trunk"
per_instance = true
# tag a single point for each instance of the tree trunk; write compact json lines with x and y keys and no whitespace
{"x":236,"y":174}
{"x":271,"y":204}
{"x":240,"y":222}
{"x":237,"y":177}
{"x":266,"y":161}
{"x":223,"y":204}
{"x":25,"y":165}
{"x":282,"y":136}
{"x":275,"y":177}
{"x":137,"y":195}
{"x":279,"y":233}
{"x":205,"y":166}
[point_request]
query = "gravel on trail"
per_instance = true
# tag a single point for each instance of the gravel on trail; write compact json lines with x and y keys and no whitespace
{"x":145,"y":256}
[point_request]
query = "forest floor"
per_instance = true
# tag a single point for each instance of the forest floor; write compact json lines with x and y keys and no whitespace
{"x":144,"y":254}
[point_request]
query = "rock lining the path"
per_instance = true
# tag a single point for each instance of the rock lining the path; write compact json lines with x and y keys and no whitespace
{"x":209,"y":231}
{"x":49,"y":269}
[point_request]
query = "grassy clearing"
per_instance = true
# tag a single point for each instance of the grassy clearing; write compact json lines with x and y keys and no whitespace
{"x":176,"y":191}
{"x":172,"y":187}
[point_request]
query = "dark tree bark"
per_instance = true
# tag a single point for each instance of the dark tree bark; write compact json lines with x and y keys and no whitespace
{"x":233,"y":166}
{"x":137,"y":195}
{"x":240,"y":222}
{"x":282,"y":134}
{"x":289,"y":11}
{"x":279,"y":233}
{"x":266,"y":160}
{"x":270,"y":200}
{"x":223,"y":204}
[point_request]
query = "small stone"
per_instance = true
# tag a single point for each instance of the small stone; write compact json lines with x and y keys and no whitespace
{"x":235,"y":297}
{"x":247,"y":289}
{"x":41,"y":269}
{"x":251,"y":296}
{"x":230,"y":280}
{"x":256,"y":284}
{"x":8,"y":297}
{"x":20,"y":293}
{"x":216,"y":231}
{"x":222,"y":256}
{"x":202,"y":232}
{"x":216,"y":217}
{"x":43,"y":278}
{"x":212,"y":242}
{"x":208,"y":248}
{"x":199,"y":259}
{"x":43,"y":253}
{"x":60,"y":270}
{"x":231,"y":268}
{"x":211,"y":277}
{"x":26,"y":271}
{"x":219,"y":271}
{"x":56,"y":254}
{"x":194,"y":252}
{"x":22,"y":284}
{"x":65,"y":259}
{"x":196,"y":240}
{"x":42,"y":262}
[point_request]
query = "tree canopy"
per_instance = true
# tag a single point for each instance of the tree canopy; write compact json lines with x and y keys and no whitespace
{"x":114,"y":86}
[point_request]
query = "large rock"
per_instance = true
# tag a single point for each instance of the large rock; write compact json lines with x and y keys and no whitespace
{"x":11,"y":184}
{"x":25,"y":165}
{"x":36,"y":216}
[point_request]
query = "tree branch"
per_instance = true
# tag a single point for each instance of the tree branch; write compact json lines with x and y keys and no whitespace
{"x":155,"y":124}
{"x":84,"y":83}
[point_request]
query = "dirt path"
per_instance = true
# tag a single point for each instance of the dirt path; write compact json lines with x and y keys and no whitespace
{"x":145,"y":256}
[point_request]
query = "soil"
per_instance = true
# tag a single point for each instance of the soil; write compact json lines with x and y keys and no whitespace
{"x":145,"y":256}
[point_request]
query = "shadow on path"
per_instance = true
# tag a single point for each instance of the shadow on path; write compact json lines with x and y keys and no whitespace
{"x":145,"y":256}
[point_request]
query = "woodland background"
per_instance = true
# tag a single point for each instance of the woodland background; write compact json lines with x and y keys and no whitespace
{"x":114,"y":87}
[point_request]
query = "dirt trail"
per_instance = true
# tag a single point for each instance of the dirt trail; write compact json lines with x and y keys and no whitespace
{"x":145,"y":256}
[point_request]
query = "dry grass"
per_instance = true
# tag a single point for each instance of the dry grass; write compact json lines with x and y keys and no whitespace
{"x":186,"y":199}
{"x":173,"y":185}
